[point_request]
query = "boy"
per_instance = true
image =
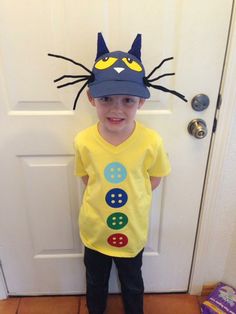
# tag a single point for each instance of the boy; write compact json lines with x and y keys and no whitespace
{"x":120,"y":162}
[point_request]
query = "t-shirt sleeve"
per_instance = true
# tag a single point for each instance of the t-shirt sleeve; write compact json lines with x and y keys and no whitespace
{"x":79,"y":169}
{"x":161,"y":165}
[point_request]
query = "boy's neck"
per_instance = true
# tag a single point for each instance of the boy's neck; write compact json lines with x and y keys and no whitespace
{"x":115,"y":138}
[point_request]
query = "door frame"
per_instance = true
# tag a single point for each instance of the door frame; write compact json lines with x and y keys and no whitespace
{"x":3,"y":286}
{"x":210,"y":212}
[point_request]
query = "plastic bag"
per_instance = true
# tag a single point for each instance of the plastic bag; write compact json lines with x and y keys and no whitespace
{"x":221,"y":301}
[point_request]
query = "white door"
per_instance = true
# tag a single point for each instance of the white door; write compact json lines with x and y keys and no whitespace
{"x":40,"y":250}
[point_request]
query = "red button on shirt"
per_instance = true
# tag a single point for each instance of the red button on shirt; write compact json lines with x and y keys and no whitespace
{"x":118,"y":240}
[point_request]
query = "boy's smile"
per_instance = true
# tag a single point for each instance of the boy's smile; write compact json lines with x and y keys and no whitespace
{"x":116,"y":115}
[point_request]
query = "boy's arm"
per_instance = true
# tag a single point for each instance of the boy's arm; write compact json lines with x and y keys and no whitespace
{"x":155,"y":181}
{"x":85,"y":179}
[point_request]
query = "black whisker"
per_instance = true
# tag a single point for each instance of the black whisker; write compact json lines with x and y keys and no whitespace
{"x":71,"y":76}
{"x":157,"y":67}
{"x":161,"y":76}
{"x":80,"y":91}
{"x":72,"y":83}
{"x":164,"y":89}
{"x":70,"y":60}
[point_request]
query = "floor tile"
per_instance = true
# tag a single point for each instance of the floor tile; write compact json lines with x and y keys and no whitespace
{"x":172,"y":303}
{"x":49,"y":305}
{"x":83,"y":307}
{"x":9,"y":306}
{"x":114,"y":305}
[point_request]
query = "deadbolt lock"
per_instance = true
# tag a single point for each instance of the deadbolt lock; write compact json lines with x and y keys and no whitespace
{"x":197,"y":128}
{"x":200,"y":102}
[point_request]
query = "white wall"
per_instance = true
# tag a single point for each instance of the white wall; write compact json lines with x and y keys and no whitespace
{"x":228,"y":202}
{"x":230,"y":268}
{"x":220,"y":261}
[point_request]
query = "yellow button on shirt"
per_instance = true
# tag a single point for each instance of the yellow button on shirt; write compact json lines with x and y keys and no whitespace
{"x":114,"y":215}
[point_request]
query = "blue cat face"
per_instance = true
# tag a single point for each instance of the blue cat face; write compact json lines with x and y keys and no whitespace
{"x":118,"y":73}
{"x":120,"y":62}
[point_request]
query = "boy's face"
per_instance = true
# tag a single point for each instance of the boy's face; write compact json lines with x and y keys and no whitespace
{"x":117,"y":113}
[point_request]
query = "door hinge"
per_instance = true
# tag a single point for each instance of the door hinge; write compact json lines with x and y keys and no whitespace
{"x":219,"y":102}
{"x":214,"y":125}
{"x":218,"y":106}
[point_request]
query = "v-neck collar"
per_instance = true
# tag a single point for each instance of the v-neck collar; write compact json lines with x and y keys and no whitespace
{"x":121,"y":146}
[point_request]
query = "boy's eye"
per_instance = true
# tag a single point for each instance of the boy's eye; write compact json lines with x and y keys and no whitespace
{"x":104,"y":99}
{"x":105,"y":63}
{"x":133,"y":65}
{"x":129,"y":100}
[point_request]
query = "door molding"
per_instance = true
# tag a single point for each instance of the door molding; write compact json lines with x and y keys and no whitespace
{"x":210,"y":212}
{"x":3,"y":288}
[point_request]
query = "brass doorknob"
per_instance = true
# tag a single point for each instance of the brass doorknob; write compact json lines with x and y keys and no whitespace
{"x":197,"y":128}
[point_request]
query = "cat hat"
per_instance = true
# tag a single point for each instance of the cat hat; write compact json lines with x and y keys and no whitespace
{"x":117,"y":73}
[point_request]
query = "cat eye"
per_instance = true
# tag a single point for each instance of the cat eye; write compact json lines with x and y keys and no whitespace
{"x":133,"y":65}
{"x":105,"y":63}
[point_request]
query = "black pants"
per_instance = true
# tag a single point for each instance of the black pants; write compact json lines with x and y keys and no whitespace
{"x":98,"y":267}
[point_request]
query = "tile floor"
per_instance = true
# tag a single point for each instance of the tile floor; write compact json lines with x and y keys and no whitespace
{"x":153,"y":304}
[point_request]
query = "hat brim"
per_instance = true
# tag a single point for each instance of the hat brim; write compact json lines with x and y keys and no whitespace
{"x":109,"y":88}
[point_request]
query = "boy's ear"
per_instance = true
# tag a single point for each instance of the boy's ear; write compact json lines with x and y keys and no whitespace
{"x":141,"y":102}
{"x":90,"y":98}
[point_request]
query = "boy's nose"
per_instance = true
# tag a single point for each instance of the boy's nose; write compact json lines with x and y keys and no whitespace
{"x":117,"y":104}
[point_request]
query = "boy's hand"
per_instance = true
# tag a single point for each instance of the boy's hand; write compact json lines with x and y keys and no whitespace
{"x":85,"y":179}
{"x":155,"y":181}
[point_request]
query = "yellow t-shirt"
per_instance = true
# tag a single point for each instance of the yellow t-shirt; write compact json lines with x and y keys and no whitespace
{"x":114,"y":215}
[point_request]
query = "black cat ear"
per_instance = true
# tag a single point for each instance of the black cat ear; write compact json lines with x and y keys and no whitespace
{"x":136,"y":47}
{"x":101,"y":46}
